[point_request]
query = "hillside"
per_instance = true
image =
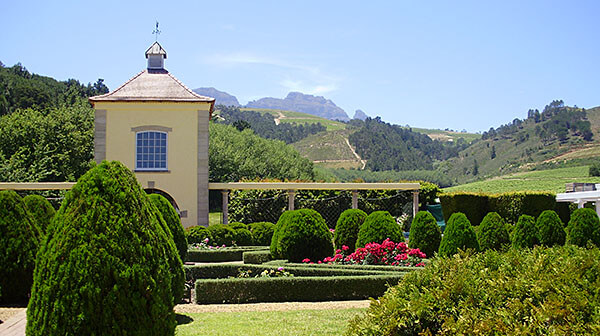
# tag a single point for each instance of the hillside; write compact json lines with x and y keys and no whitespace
{"x":282,"y":116}
{"x":299,"y":102}
{"x":330,"y":150}
{"x":221,"y":98}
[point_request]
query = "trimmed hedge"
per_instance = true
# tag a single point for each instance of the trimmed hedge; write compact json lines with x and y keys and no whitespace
{"x":285,"y":289}
{"x":550,"y":230}
{"x":425,"y":234}
{"x":256,"y":257}
{"x":301,"y":234}
{"x":492,"y":233}
{"x":508,"y":205}
{"x":221,"y":254}
{"x":173,"y":222}
{"x":19,"y":240}
{"x":459,"y":234}
{"x":584,"y":228}
{"x":346,"y":229}
{"x":525,"y":234}
{"x":262,"y":232}
{"x":243,"y":237}
{"x":197,"y":234}
{"x":107,"y":263}
{"x":378,"y":268}
{"x":544,"y":291}
{"x":237,"y":225}
{"x":41,"y":211}
{"x":377,"y":227}
{"x":221,"y":235}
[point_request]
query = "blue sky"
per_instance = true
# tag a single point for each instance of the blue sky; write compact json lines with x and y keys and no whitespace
{"x":434,"y":64}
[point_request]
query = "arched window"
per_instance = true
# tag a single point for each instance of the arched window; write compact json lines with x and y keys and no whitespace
{"x":151,"y":151}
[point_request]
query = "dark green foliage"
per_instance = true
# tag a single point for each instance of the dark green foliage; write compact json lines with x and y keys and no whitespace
{"x":221,"y":235}
{"x":246,"y":205}
{"x":377,"y":227}
{"x":173,"y":222}
{"x":525,"y":234}
{"x":346,"y":230}
{"x":238,"y":225}
{"x":221,"y":254}
{"x":584,"y":228}
{"x":425,"y":234}
{"x":243,"y":237}
{"x":19,"y":240}
{"x":262,"y":232}
{"x":459,"y":234}
{"x":263,"y":124}
{"x":256,"y":257}
{"x":236,"y":155}
{"x":492,"y":233}
{"x":550,"y":230}
{"x":351,"y":175}
{"x":474,"y":206}
{"x":544,"y":291}
{"x":301,"y":234}
{"x":41,"y":211}
{"x":197,"y":234}
{"x":107,"y":263}
{"x":594,"y":169}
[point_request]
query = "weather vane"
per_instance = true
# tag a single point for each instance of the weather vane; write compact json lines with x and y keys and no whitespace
{"x":156,"y":31}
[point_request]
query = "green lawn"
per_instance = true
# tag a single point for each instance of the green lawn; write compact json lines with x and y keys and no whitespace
{"x":552,"y":180}
{"x":279,"y":323}
{"x":215,"y":218}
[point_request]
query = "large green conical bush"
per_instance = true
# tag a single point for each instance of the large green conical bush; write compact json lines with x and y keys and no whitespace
{"x":459,"y":234}
{"x":492,"y":233}
{"x":550,"y":229}
{"x":347,"y":227}
{"x":377,"y":227}
{"x":173,"y":223}
{"x":19,"y":240}
{"x":41,"y":211}
{"x":107,"y":266}
{"x":525,"y":234}
{"x":583,"y":228}
{"x":425,"y":234}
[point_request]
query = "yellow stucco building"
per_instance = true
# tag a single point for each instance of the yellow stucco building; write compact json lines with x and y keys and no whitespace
{"x":158,"y":128}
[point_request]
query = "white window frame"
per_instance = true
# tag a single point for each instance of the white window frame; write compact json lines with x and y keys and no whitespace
{"x":166,"y":168}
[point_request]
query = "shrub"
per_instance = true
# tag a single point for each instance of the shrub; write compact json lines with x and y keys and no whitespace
{"x":550,"y":230}
{"x":594,"y":169}
{"x":459,"y":234}
{"x":221,"y":235}
{"x":583,"y":228}
{"x":19,"y":240}
{"x":492,"y":233}
{"x":173,"y":222}
{"x":107,"y":264}
{"x":377,"y":227}
{"x":41,"y":211}
{"x":197,"y":234}
{"x":238,"y":225}
{"x":302,"y":234}
{"x":544,"y":291}
{"x":243,"y":237}
{"x":220,"y":254}
{"x":256,"y":257}
{"x":262,"y":232}
{"x":474,"y":206}
{"x":425,"y":234}
{"x":525,"y":233}
{"x":346,"y":229}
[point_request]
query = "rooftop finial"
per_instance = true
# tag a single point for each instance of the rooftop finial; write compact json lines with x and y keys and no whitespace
{"x":156,"y":31}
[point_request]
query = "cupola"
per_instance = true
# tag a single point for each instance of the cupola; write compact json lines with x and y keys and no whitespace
{"x":156,"y":57}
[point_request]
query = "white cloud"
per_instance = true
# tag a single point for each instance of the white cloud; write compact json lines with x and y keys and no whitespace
{"x":300,"y":86}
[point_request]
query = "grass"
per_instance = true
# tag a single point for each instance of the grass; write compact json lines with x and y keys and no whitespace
{"x":326,"y":146}
{"x":294,"y":322}
{"x":552,"y":180}
{"x":300,"y":118}
{"x":447,"y":135}
{"x":215,"y":218}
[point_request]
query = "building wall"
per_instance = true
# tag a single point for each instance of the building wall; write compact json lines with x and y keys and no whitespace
{"x":187,"y":149}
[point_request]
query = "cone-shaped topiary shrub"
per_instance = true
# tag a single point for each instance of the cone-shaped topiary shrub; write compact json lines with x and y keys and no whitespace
{"x":221,"y":235}
{"x":173,"y":222}
{"x":243,"y":237}
{"x":377,"y":227}
{"x":583,"y":228}
{"x":197,"y":234}
{"x":425,"y":234}
{"x":41,"y":210}
{"x":492,"y":234}
{"x":459,"y":234}
{"x":302,"y":234}
{"x":525,"y":233}
{"x":19,"y":240}
{"x":346,"y":229}
{"x":107,"y":265}
{"x":550,"y":229}
{"x":276,"y":231}
{"x":262,"y":232}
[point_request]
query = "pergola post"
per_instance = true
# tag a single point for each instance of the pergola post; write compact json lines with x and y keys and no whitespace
{"x":580,"y":204}
{"x":354,"y":199}
{"x":415,"y":203}
{"x":225,"y":194}
{"x":291,"y":199}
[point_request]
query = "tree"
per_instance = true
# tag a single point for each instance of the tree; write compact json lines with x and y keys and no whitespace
{"x":493,"y":154}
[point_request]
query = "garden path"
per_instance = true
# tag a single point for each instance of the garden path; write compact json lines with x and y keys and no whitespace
{"x":15,"y":325}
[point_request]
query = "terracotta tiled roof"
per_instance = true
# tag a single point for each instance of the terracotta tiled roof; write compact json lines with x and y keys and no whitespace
{"x":153,"y":85}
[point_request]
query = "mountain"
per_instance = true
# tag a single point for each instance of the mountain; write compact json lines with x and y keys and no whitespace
{"x":299,"y":102}
{"x":222,"y":98}
{"x":360,"y":115}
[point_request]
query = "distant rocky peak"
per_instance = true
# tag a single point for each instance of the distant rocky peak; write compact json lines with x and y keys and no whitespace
{"x":300,"y":102}
{"x":360,"y":115}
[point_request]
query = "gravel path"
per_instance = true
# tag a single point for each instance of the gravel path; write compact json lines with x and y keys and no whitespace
{"x":271,"y":306}
{"x":7,"y":312}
